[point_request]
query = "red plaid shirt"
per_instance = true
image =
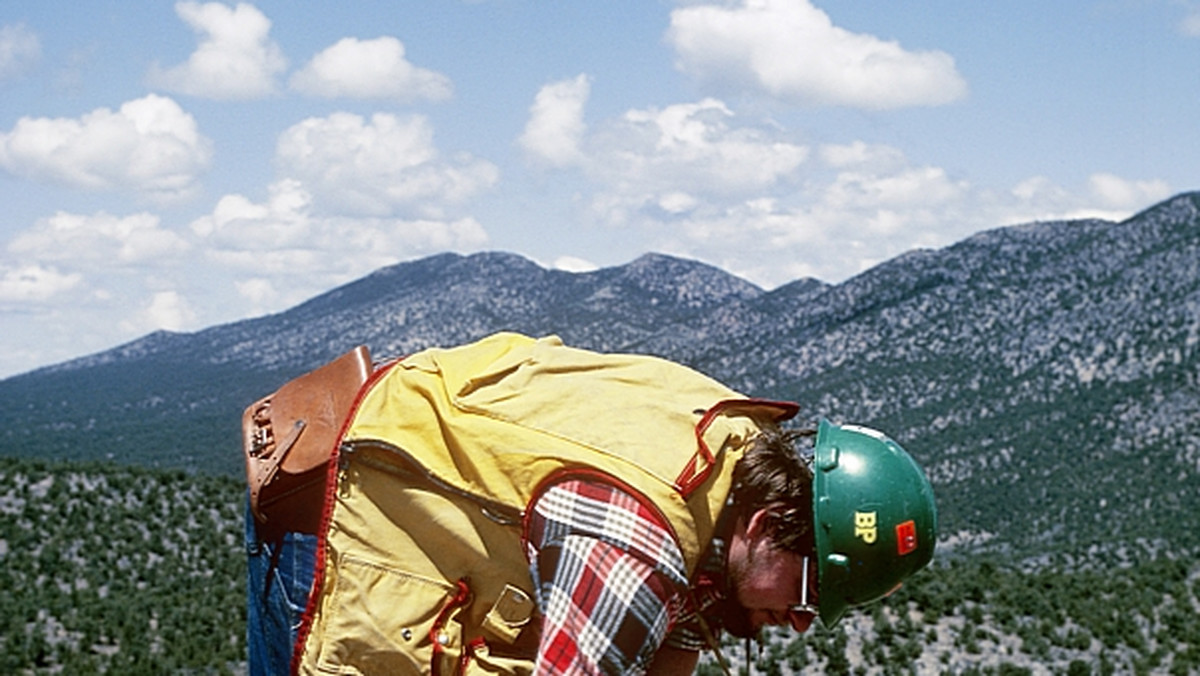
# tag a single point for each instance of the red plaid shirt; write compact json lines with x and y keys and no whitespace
{"x":610,"y":582}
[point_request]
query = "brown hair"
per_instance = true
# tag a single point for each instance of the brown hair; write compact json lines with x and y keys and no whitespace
{"x":774,"y":475}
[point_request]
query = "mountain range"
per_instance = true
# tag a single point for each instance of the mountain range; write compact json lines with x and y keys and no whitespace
{"x":1044,"y":374}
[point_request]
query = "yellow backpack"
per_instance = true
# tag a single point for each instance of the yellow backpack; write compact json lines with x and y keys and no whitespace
{"x":422,"y":567}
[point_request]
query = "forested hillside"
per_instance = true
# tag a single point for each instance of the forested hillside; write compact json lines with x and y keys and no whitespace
{"x":120,"y":570}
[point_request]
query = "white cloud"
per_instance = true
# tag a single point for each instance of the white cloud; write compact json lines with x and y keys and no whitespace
{"x":664,"y":160}
{"x":121,"y":276}
{"x":836,"y":227}
{"x":790,"y":50}
{"x":235,"y":58}
{"x":574,"y":264}
{"x":369,"y":69}
{"x":671,"y":174}
{"x":282,"y":252}
{"x":19,"y":48}
{"x":258,"y":290}
{"x":904,"y":187}
{"x":287,"y":225}
{"x":1190,"y":24}
{"x":86,"y":282}
{"x":1105,"y":196}
{"x":693,"y":147}
{"x":166,"y":310}
{"x":1039,"y":189}
{"x":99,"y":241}
{"x":387,"y":166}
{"x":1114,"y":192}
{"x":34,"y":283}
{"x":859,"y":154}
{"x":150,"y":145}
{"x":73,"y":283}
{"x":698,"y":180}
{"x":282,"y":222}
{"x":555,"y":127}
{"x":677,"y":202}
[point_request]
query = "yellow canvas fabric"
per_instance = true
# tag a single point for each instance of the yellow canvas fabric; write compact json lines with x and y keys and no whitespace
{"x":445,"y":452}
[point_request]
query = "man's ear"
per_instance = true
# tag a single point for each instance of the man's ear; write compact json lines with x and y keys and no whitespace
{"x":758,"y":524}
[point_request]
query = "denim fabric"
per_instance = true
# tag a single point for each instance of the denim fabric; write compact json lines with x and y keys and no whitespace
{"x":279,"y":579}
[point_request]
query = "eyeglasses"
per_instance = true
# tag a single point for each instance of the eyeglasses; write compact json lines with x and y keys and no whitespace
{"x":802,"y":614}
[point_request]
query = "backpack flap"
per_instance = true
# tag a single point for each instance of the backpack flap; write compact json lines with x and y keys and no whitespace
{"x":289,"y":435}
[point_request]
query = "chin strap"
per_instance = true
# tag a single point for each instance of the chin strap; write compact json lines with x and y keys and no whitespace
{"x":749,"y":661}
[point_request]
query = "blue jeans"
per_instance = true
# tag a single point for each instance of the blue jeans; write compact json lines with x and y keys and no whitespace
{"x":278,"y":582}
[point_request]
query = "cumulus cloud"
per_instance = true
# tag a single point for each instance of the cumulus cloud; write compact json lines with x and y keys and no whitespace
{"x":860,"y":204}
{"x":672,"y":159}
{"x":258,"y":290}
{"x":125,"y":275}
{"x":792,"y":51}
{"x":1104,"y":196}
{"x":286,"y":223}
{"x":32,"y":282}
{"x":100,"y":240}
{"x":698,"y":146}
{"x":167,"y":310}
{"x":555,"y":127}
{"x":846,"y":208}
{"x":699,"y":180}
{"x":369,"y":69}
{"x":907,"y":187}
{"x":235,"y":57}
{"x":282,"y":251}
{"x":385,"y":166}
{"x":19,"y":48}
{"x":281,"y":222}
{"x":1114,"y":192}
{"x":116,"y":275}
{"x":96,"y":271}
{"x":150,"y":145}
{"x":859,"y":154}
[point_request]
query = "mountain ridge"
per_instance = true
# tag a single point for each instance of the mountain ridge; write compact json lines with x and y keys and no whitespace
{"x":1051,"y":366}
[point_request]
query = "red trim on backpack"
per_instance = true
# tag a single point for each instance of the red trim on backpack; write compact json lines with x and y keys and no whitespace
{"x":461,"y":598}
{"x":331,"y":477}
{"x":691,"y":477}
{"x":469,"y":653}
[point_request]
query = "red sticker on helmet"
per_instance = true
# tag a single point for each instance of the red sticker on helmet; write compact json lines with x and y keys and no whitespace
{"x":906,"y":538}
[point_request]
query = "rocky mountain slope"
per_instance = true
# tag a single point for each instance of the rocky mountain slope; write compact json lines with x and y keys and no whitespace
{"x":1048,"y":372}
{"x":1045,"y":374}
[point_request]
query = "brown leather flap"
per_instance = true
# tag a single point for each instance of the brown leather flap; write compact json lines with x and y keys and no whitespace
{"x":296,"y":428}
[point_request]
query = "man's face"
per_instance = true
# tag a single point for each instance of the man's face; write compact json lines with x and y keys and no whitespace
{"x":768,"y":583}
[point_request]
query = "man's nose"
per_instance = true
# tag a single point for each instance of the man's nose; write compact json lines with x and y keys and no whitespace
{"x":800,"y":620}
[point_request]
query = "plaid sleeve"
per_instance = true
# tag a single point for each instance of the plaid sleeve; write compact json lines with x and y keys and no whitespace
{"x":610,"y":580}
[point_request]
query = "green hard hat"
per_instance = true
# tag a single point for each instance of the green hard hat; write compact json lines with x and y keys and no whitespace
{"x":875,"y":515}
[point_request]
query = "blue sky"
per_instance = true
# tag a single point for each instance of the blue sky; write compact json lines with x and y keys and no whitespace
{"x":179,"y":165}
